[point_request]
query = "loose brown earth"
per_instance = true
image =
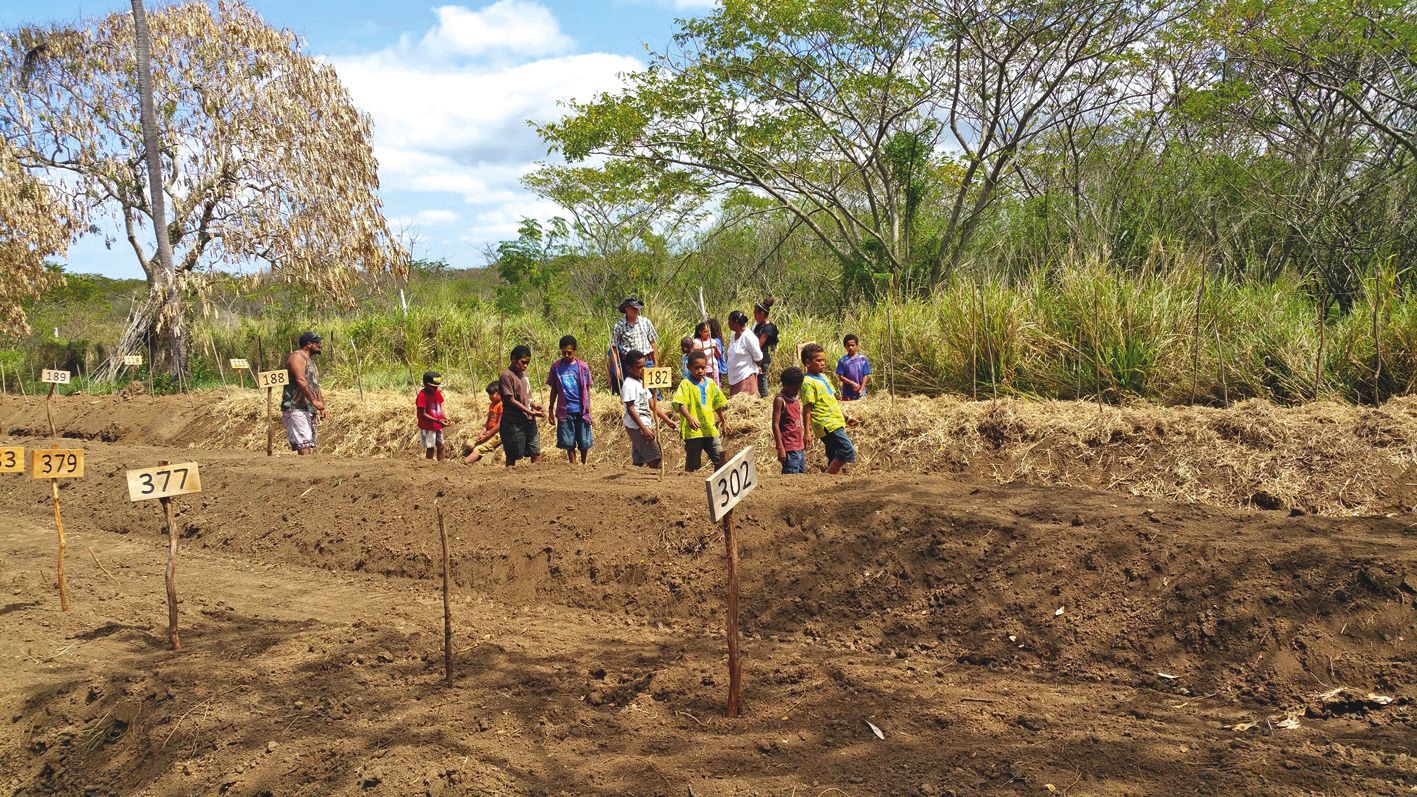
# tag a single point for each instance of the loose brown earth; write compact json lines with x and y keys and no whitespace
{"x":1005,"y":639}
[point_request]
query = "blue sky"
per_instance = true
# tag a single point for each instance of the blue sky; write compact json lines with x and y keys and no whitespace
{"x":449,"y":87}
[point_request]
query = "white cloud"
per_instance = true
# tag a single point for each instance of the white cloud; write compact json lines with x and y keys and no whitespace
{"x":517,"y":26}
{"x":450,"y":110}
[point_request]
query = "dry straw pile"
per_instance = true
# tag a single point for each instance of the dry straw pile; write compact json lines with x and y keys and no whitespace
{"x":1325,"y":458}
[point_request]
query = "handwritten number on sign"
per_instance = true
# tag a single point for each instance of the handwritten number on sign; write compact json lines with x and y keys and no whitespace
{"x":9,"y":459}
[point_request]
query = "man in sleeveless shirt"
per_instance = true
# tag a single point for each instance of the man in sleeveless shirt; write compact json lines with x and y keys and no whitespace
{"x":301,"y":404}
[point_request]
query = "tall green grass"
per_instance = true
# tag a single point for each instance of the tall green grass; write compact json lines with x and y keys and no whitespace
{"x":1083,"y":331}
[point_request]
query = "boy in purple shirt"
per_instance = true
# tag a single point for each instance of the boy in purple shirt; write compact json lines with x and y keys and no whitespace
{"x":853,"y":369}
{"x":569,"y":381}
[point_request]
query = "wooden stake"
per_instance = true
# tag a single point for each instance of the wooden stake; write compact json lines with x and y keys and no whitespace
{"x":358,"y":372}
{"x":1319,"y":356}
{"x":1377,"y":342}
{"x":49,"y":410}
{"x":270,"y":430}
{"x":221,"y":369}
{"x":171,"y":573}
{"x":59,"y":524}
{"x":730,"y":540}
{"x":447,"y":606}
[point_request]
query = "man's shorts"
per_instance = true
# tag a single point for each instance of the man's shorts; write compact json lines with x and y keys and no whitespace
{"x":696,"y":447}
{"x":642,"y":451}
{"x":299,"y":429}
{"x":574,"y":433}
{"x":796,"y":462}
{"x":432,"y":438}
{"x":839,"y":446}
{"x":520,"y":439}
{"x":491,"y":446}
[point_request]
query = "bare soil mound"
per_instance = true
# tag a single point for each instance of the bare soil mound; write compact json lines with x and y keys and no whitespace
{"x":1004,"y":638}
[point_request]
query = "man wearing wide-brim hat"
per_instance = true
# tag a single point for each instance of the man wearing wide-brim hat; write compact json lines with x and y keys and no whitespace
{"x":631,"y":333}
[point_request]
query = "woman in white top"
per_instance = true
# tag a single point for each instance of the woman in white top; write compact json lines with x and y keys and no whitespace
{"x":744,"y":356}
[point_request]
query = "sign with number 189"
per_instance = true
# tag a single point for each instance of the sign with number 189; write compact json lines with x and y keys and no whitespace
{"x":730,"y":483}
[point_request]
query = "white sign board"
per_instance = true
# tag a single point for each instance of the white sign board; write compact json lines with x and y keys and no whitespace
{"x":659,"y":378}
{"x":239,"y":363}
{"x":270,"y":379}
{"x":164,"y":481}
{"x":53,"y":377}
{"x":727,"y":486}
{"x":133,"y":360}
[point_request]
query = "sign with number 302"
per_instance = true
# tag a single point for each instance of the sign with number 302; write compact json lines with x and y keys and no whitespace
{"x":730,"y":483}
{"x":164,"y":481}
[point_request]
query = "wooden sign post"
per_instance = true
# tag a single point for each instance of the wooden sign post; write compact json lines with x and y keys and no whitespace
{"x":53,"y":378}
{"x":270,"y":380}
{"x":659,"y":379}
{"x":726,"y":487}
{"x":240,"y":366}
{"x":164,"y":483}
{"x":56,"y":464}
{"x":132,"y":361}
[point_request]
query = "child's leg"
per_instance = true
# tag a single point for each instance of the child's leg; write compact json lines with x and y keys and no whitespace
{"x":693,"y":454}
{"x":834,"y":467}
{"x":585,"y":439}
{"x":429,"y":452}
{"x":440,"y":451}
{"x":715,"y":451}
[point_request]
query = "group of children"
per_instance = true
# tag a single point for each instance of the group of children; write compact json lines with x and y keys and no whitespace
{"x":807,"y":406}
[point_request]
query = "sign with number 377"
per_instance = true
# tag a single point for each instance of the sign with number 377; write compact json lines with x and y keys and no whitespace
{"x":164,"y":481}
{"x":730,"y":483}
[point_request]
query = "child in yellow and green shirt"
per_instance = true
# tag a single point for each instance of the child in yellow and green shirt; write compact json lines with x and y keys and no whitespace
{"x":820,"y":403}
{"x":699,"y":402}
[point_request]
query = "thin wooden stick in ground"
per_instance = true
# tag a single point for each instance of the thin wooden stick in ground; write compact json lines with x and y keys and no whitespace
{"x":270,"y":430}
{"x":447,"y":606}
{"x":171,"y":576}
{"x":730,"y":540}
{"x":59,"y":525}
{"x":49,"y":409}
{"x":1377,"y":341}
{"x":221,"y":369}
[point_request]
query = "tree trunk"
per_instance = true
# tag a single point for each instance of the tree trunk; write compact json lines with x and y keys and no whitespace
{"x":161,"y":319}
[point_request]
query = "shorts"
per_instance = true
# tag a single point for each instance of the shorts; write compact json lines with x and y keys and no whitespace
{"x":520,"y":439}
{"x":299,"y":429}
{"x":574,"y":433}
{"x":696,"y":447}
{"x":796,"y":462}
{"x":839,"y":446}
{"x":432,"y":438}
{"x":642,"y":451}
{"x":492,"y":446}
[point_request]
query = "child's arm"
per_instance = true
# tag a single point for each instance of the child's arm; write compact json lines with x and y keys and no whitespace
{"x":722,"y":420}
{"x":657,"y":412}
{"x":866,"y":377}
{"x":553,"y":390}
{"x":777,"y":407}
{"x":689,"y":419}
{"x":806,"y":425}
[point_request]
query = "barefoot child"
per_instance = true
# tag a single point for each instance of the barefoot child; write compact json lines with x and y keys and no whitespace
{"x":699,"y":401}
{"x":820,"y":403}
{"x":490,"y":440}
{"x":431,"y":418}
{"x":787,"y":423}
{"x":521,"y":434}
{"x":641,"y":408}
{"x":569,"y":381}
{"x":853,"y":369}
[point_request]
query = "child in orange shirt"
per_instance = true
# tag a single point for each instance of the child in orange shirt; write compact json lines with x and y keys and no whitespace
{"x":490,"y":440}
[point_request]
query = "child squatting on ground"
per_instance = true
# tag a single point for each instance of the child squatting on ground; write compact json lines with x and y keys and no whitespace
{"x":569,"y":383}
{"x":700,"y":401}
{"x":787,"y":423}
{"x":490,"y":440}
{"x":828,"y":422}
{"x":641,"y":408}
{"x":521,"y":436}
{"x":431,"y":418}
{"x":853,"y":369}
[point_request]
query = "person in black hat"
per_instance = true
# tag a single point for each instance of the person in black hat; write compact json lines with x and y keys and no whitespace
{"x":631,"y":333}
{"x":301,"y":403}
{"x":431,"y":418}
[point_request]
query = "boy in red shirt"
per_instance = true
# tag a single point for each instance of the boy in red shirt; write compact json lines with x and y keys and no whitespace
{"x":431,"y":418}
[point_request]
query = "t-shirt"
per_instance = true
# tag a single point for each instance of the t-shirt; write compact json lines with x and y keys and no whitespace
{"x":494,"y":415}
{"x":713,"y":349}
{"x":514,"y":385}
{"x":572,"y":383}
{"x":700,"y":400}
{"x":768,"y":332}
{"x":854,"y":368}
{"x":826,"y":409}
{"x":634,"y":390}
{"x":629,"y":337}
{"x":433,"y":406}
{"x":789,"y":423}
{"x":743,"y":357}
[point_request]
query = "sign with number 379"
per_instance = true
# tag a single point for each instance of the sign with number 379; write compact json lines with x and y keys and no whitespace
{"x":730,"y":483}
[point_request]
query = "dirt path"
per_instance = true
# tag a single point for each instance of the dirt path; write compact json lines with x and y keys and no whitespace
{"x":589,"y":659}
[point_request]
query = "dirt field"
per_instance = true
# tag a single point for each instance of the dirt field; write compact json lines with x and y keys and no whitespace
{"x":1010,"y":638}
